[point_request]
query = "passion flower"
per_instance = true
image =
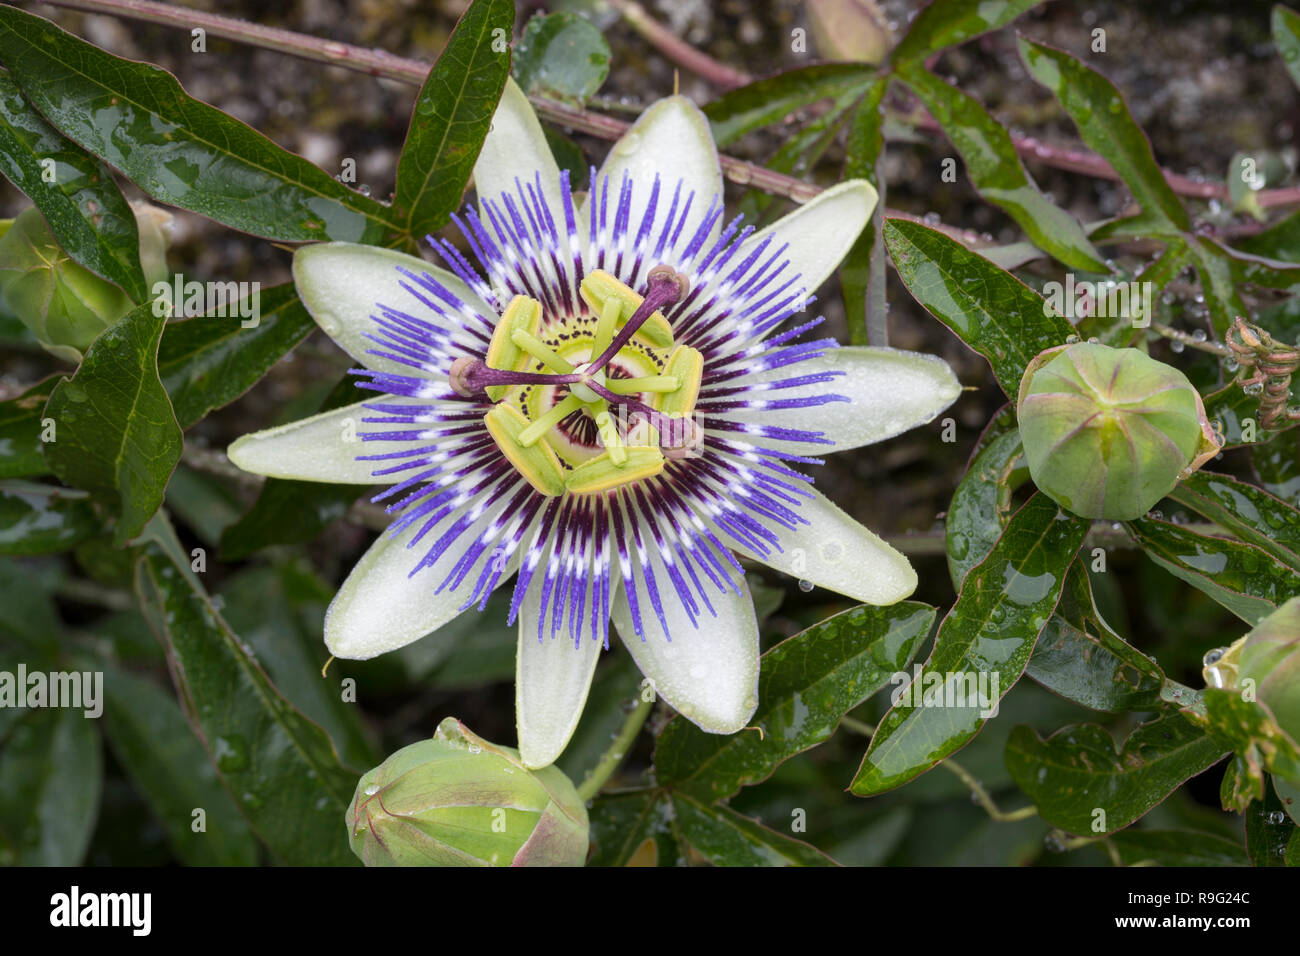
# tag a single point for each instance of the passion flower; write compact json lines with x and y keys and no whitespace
{"x":613,"y":404}
{"x":459,"y":800}
{"x":1109,"y":432}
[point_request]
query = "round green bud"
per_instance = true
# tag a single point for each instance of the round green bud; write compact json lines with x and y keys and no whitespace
{"x":64,"y":304}
{"x":1109,"y":432}
{"x":458,"y":800}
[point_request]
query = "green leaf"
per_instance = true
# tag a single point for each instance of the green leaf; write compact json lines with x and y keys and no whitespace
{"x":1099,"y":111}
{"x":561,"y":55}
{"x":29,"y":619}
{"x":727,"y":838}
{"x":1250,"y":513}
{"x":771,"y":99}
{"x":1077,"y":771}
{"x":946,"y":23}
{"x":41,"y":519}
{"x":1277,"y":463}
{"x":1286,"y":36}
{"x":209,"y":361}
{"x":282,"y":769}
{"x":451,"y":117}
{"x":181,"y":151}
{"x":171,"y":770}
{"x":862,"y":273}
{"x":278,"y":612}
{"x":1270,"y":834}
{"x":20,"y":432}
{"x":996,"y":172}
{"x":1250,"y":729}
{"x":1219,"y":275}
{"x":981,"y":504}
{"x":52,"y":771}
{"x":633,"y":829}
{"x":293,"y":512}
{"x":1080,"y":657}
{"x":991,"y":310}
{"x":1177,"y":848}
{"x":117,"y":435}
{"x":980,"y":650}
{"x":1246,"y":580}
{"x":86,"y":212}
{"x":1235,"y":415}
{"x":806,"y":684}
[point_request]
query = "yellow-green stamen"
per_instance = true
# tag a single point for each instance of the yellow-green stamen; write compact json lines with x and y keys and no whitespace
{"x":537,"y":463}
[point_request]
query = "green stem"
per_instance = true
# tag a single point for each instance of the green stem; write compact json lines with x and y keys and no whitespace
{"x":613,"y":757}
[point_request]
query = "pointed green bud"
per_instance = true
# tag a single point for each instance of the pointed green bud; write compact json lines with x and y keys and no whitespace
{"x":64,"y":304}
{"x":155,"y":228}
{"x":459,"y":800}
{"x":1109,"y":432}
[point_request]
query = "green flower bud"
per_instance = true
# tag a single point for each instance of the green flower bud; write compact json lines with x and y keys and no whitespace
{"x":458,"y":800}
{"x":64,"y":304}
{"x":155,"y":228}
{"x":1109,"y":432}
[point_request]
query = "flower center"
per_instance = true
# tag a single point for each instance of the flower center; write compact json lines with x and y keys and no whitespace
{"x":588,"y":403}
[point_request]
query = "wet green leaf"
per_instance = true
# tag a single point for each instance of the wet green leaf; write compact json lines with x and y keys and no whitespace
{"x":1099,"y":111}
{"x":727,"y":838}
{"x":278,"y":611}
{"x":20,"y":432}
{"x":1277,"y":463}
{"x":451,"y":117}
{"x":981,"y":504}
{"x":1271,"y":836}
{"x":771,"y":99}
{"x":209,"y":361}
{"x":633,"y":829}
{"x":180,"y":151}
{"x":980,"y":650}
{"x":173,"y":773}
{"x":117,"y":434}
{"x":991,"y":310}
{"x":281,"y":768}
{"x":806,"y":684}
{"x":996,"y":172}
{"x":1245,"y":579}
{"x":1177,"y":848}
{"x":86,"y":212}
{"x":561,"y":55}
{"x":946,"y":23}
{"x":1083,"y":784}
{"x":1260,"y":745}
{"x":52,"y":771}
{"x":41,"y":519}
{"x":862,"y":273}
{"x":1250,"y":513}
{"x":1081,"y":658}
{"x":1286,"y":35}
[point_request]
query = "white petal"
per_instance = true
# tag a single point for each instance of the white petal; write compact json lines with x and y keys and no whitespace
{"x":343,"y":284}
{"x":708,"y":671}
{"x":516,"y":147}
{"x":382,"y":606}
{"x":671,"y":139}
{"x":889,"y":392}
{"x":820,"y":233}
{"x":835,"y":552}
{"x":325,"y":447}
{"x":552,"y":678}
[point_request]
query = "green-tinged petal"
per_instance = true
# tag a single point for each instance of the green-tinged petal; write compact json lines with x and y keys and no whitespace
{"x":672,"y":140}
{"x":324,"y":447}
{"x":552,"y":678}
{"x":889,"y":392}
{"x":819,"y":234}
{"x":708,"y":671}
{"x":343,"y":284}
{"x":383,"y":606}
{"x":516,"y":147}
{"x":835,"y":552}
